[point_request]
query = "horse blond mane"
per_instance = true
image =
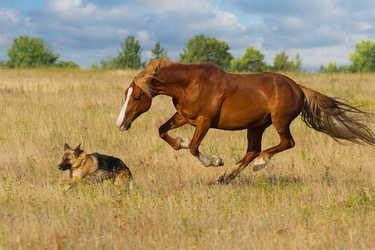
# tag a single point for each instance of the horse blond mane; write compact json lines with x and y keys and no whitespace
{"x":143,"y":79}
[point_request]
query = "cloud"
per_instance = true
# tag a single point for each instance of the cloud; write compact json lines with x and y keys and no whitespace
{"x":9,"y":19}
{"x":92,"y":25}
{"x":93,"y":29}
{"x":307,"y":24}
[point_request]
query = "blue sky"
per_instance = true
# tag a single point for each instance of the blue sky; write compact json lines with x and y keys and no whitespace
{"x":86,"y":31}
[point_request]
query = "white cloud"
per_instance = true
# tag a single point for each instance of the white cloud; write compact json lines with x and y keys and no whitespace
{"x":29,"y":23}
{"x":143,"y":37}
{"x":4,"y":41}
{"x":9,"y":19}
{"x":322,"y":30}
{"x":122,"y":32}
{"x":75,"y":56}
{"x":72,"y":11}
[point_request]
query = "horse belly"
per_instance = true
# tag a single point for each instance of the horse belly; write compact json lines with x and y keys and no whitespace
{"x":242,"y":118}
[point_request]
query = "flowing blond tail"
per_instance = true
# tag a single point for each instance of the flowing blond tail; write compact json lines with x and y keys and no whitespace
{"x":336,"y":118}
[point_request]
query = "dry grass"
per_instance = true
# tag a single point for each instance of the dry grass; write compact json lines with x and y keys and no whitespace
{"x":319,"y":194}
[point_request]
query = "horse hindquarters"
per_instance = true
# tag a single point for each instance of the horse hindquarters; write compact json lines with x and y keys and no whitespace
{"x":289,"y":103}
{"x":288,"y":106}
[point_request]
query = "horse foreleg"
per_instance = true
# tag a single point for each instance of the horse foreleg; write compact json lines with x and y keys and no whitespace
{"x":174,"y":122}
{"x":202,"y":127}
{"x":254,"y":138}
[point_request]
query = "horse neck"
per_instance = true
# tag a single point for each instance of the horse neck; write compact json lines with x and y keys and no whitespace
{"x":174,"y":80}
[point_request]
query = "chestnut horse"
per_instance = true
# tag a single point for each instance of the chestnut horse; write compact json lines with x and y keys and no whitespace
{"x":207,"y":97}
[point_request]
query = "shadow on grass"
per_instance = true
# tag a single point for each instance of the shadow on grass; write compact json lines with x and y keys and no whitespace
{"x":265,"y":179}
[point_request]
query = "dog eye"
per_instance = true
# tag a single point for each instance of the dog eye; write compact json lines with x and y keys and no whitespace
{"x":136,"y":98}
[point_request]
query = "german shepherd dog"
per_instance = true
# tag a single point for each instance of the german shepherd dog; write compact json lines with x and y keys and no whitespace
{"x":93,"y":168}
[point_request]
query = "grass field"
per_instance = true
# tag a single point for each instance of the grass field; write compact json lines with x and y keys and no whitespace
{"x":318,"y":195}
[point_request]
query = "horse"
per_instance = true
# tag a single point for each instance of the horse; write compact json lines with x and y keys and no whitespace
{"x":207,"y":97}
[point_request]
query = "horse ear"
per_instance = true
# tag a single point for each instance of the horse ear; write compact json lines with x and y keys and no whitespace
{"x":78,"y":150}
{"x":66,"y":146}
{"x":161,"y":63}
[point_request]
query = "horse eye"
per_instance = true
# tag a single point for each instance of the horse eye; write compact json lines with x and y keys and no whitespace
{"x":136,"y":98}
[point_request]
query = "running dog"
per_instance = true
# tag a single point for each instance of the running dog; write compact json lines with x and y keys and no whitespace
{"x":93,"y":168}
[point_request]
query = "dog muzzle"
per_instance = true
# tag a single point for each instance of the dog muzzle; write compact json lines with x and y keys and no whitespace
{"x":65,"y":167}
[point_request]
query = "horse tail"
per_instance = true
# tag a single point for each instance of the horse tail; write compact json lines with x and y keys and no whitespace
{"x":336,"y":118}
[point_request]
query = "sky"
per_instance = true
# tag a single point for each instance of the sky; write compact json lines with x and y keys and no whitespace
{"x":87,"y":31}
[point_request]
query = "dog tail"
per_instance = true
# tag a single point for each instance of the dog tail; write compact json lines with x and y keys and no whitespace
{"x":130,"y":177}
{"x":130,"y":187}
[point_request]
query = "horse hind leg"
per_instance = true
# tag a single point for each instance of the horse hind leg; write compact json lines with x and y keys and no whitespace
{"x":286,"y":142}
{"x":290,"y":102}
{"x":254,"y":138}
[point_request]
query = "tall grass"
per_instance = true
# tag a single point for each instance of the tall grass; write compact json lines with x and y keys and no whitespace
{"x":319,"y":194}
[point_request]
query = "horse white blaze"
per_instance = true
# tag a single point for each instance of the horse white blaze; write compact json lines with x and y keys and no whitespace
{"x":121,"y":116}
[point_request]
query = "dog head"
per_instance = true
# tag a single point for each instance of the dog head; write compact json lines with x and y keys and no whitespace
{"x":72,"y":158}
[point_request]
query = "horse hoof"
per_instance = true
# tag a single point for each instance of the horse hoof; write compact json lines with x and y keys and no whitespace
{"x":184,"y":143}
{"x":225,"y":180}
{"x":221,"y":179}
{"x":217,"y":162}
{"x":259,"y":165}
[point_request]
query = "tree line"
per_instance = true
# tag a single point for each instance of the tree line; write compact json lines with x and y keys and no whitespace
{"x":31,"y":52}
{"x":202,"y":49}
{"x":362,"y":60}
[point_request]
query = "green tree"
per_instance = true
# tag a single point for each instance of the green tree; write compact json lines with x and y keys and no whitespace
{"x":30,"y":52}
{"x":207,"y":49}
{"x":158,"y":52}
{"x":110,"y":63}
{"x":65,"y":64}
{"x":236,"y":65}
{"x":296,"y":64}
{"x":128,"y":58}
{"x":343,"y":68}
{"x":251,"y":61}
{"x":94,"y":65}
{"x":332,"y":67}
{"x":130,"y":54}
{"x":322,"y":69}
{"x":280,"y":63}
{"x":363,"y":57}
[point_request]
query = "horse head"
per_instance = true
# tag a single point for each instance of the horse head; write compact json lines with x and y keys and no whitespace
{"x":139,"y":94}
{"x":136,"y":103}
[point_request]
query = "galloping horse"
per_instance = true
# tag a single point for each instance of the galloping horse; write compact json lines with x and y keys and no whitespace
{"x":207,"y":97}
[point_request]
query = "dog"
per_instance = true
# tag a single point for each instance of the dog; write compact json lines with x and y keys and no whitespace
{"x":93,"y":168}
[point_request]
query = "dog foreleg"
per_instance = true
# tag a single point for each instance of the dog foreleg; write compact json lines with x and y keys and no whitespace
{"x":68,"y":183}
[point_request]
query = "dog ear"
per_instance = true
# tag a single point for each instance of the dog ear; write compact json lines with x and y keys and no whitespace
{"x":66,"y":146}
{"x":78,"y":150}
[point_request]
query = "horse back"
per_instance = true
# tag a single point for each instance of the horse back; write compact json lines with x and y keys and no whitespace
{"x":252,"y":99}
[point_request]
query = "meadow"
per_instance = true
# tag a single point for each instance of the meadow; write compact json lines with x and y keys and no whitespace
{"x":318,"y":195}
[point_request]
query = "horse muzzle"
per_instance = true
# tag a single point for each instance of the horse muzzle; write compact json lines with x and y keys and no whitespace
{"x":124,"y":126}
